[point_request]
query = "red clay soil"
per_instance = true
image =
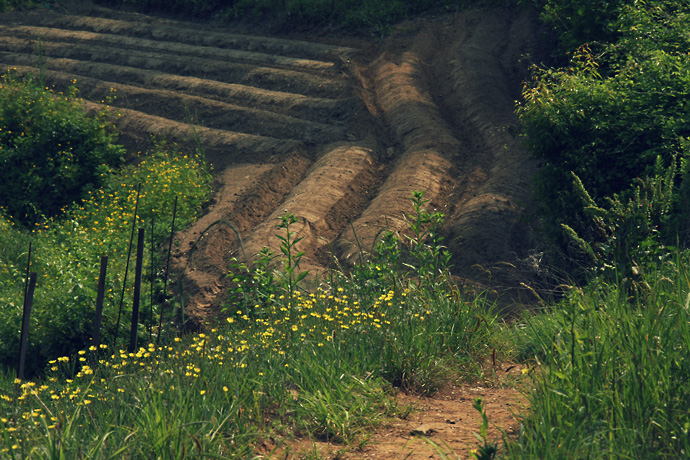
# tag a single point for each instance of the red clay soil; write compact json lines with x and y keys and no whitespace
{"x":337,"y":131}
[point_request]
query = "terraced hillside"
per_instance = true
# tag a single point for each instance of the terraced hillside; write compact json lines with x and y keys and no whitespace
{"x":335,"y":134}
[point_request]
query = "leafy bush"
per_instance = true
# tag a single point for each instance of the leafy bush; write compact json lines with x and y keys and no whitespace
{"x":577,"y":21}
{"x":10,"y":5}
{"x":51,"y":151}
{"x":611,"y":113}
{"x":626,"y":236}
{"x":67,"y":251}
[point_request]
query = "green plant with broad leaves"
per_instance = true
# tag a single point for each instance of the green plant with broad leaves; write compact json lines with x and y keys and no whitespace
{"x":51,"y":151}
{"x":613,"y":116}
{"x":93,"y":221}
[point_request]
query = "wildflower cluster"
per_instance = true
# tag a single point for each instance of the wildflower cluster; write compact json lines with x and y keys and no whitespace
{"x":68,"y":246}
{"x":316,"y":317}
{"x":313,"y":361}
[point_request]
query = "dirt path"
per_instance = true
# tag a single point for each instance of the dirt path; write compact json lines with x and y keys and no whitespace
{"x":447,"y":419}
{"x":339,"y":135}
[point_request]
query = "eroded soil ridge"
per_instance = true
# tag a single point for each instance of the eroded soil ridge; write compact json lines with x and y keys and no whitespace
{"x":338,"y":135}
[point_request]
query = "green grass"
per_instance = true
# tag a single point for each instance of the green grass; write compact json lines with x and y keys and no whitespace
{"x":320,"y":365}
{"x":611,"y":374}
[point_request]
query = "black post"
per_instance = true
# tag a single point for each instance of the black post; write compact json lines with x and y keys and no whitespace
{"x":167,"y":270}
{"x":151,"y":280}
{"x":99,"y":303}
{"x":137,"y":291}
{"x":28,"y":270}
{"x":24,"y":338}
{"x":129,"y":255}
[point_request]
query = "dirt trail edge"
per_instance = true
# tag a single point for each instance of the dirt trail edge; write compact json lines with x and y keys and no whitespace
{"x":335,"y":134}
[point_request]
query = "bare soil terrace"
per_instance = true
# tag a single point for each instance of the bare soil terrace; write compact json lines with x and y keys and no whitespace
{"x":338,"y":131}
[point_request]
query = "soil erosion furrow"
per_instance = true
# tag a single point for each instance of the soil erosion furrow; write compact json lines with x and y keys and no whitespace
{"x":183,"y":33}
{"x":123,"y":42}
{"x":324,"y":202}
{"x":207,"y":247}
{"x":429,"y":150}
{"x":294,"y":105}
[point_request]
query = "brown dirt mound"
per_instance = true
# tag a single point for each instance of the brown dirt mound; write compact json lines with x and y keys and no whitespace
{"x":338,"y":135}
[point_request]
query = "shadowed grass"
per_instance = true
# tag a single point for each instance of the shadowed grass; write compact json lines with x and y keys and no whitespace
{"x":612,"y":373}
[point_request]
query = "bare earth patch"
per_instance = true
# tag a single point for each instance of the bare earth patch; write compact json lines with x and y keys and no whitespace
{"x":339,"y":131}
{"x":448,"y":419}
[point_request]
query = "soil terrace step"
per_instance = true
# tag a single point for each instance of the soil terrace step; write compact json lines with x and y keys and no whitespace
{"x":173,"y":47}
{"x":222,"y":147}
{"x":167,"y":30}
{"x":263,"y":77}
{"x":291,"y":104}
{"x":199,"y":111}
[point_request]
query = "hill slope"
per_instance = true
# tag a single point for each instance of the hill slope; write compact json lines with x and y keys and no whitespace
{"x":338,"y":135}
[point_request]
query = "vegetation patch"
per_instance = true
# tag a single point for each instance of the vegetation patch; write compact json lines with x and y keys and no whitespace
{"x":610,"y":372}
{"x":67,"y":247}
{"x":608,"y":363}
{"x":317,"y":364}
{"x":50,"y":150}
{"x":614,"y":116}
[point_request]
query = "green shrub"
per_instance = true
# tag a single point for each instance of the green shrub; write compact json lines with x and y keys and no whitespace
{"x":51,"y":151}
{"x":11,"y":5}
{"x":576,"y":21}
{"x":67,"y":252}
{"x":611,"y":113}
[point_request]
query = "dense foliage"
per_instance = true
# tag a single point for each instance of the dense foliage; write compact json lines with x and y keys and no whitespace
{"x":67,"y":247}
{"x":10,"y":5}
{"x":51,"y":152}
{"x":376,"y":16}
{"x":617,"y":112}
{"x":612,"y":131}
